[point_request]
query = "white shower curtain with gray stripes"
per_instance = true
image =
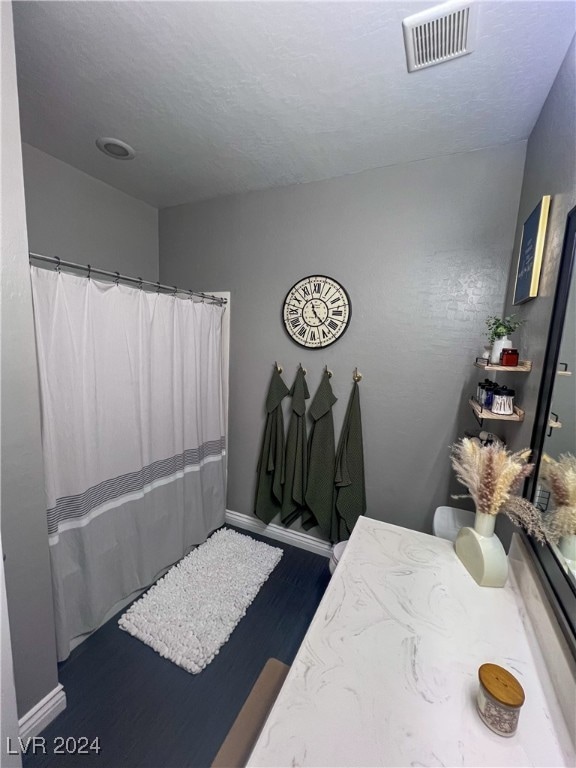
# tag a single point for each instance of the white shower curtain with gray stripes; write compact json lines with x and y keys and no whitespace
{"x":133,"y":435}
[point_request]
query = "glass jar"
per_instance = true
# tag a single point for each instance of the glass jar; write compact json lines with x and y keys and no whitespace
{"x":509,"y":357}
{"x":489,"y":389}
{"x":481,"y":390}
{"x":500,"y":698}
{"x":503,"y":401}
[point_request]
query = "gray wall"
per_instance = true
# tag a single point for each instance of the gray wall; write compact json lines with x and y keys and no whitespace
{"x":424,"y":250}
{"x":82,"y":219}
{"x":24,"y":530}
{"x":550,"y":170}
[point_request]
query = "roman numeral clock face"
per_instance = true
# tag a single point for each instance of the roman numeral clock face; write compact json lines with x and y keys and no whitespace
{"x":317,"y":311}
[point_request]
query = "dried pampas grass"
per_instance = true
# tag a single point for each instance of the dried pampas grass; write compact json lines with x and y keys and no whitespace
{"x":559,"y":477}
{"x":493,"y":476}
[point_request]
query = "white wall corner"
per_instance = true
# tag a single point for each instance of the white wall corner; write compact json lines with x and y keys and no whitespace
{"x":42,"y":714}
{"x":279,"y":533}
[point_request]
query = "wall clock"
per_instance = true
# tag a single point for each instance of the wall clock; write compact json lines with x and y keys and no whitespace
{"x":317,"y":311}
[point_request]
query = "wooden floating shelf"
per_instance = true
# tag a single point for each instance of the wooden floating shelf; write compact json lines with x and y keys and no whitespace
{"x":483,"y":413}
{"x":524,"y":366}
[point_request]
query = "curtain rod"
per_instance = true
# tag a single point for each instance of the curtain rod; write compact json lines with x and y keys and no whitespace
{"x":117,"y":276}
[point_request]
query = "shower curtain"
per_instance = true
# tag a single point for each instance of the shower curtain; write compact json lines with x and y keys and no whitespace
{"x":133,"y":436}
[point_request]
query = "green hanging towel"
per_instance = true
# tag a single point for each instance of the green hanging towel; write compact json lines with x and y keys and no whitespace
{"x":349,"y":478}
{"x":321,"y":458}
{"x":296,"y":455}
{"x":270,"y":468}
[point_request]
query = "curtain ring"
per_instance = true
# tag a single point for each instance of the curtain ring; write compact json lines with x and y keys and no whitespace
{"x":89,"y":271}
{"x":58,"y":265}
{"x":158,"y":287}
{"x":175,"y":291}
{"x":117,"y":277}
{"x":139,"y":282}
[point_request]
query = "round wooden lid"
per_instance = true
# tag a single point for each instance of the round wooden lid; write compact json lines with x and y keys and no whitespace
{"x":501,"y":685}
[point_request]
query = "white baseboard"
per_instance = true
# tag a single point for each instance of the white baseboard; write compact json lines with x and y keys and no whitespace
{"x":41,"y":715}
{"x":279,"y":533}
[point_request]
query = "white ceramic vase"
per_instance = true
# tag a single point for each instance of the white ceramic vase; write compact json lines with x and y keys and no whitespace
{"x":567,"y":545}
{"x":497,"y":347}
{"x":482,"y":553}
{"x":487,"y":352}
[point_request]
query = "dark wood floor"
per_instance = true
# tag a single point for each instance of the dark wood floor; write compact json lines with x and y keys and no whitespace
{"x":149,"y":713}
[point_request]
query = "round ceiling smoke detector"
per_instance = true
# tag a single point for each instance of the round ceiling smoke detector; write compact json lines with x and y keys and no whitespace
{"x":115,"y":148}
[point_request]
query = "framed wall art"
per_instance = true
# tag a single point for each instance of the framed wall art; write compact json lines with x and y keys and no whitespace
{"x":531,"y":250}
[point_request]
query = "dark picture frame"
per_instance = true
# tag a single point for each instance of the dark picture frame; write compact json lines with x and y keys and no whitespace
{"x":531,"y":250}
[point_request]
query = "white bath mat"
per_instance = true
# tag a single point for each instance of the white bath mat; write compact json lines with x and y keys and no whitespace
{"x":190,"y":613}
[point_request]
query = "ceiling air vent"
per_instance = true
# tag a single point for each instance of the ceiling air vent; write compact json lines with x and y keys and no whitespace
{"x":439,"y":34}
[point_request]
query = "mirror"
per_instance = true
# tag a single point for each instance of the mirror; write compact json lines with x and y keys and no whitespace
{"x":557,"y":406}
{"x":561,"y":436}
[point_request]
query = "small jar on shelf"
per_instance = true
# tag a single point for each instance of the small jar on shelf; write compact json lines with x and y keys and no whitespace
{"x":509,"y":357}
{"x":485,"y":392}
{"x":503,"y":401}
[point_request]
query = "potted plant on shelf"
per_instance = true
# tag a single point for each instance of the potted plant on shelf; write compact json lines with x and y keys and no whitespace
{"x":498,"y":330}
{"x":493,"y":476}
{"x":559,"y":477}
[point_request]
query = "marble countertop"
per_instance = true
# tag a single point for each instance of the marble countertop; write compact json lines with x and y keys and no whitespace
{"x":387,"y":672}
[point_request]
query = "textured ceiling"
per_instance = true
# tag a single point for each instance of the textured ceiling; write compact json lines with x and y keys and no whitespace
{"x":224,"y":97}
